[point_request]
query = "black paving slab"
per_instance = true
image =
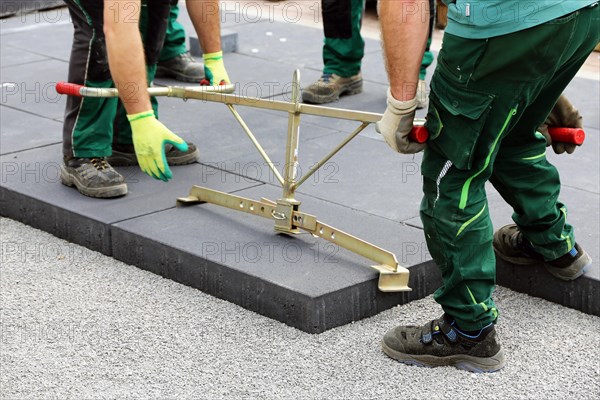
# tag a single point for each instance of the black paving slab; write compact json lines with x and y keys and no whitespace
{"x":389,"y":184}
{"x":229,"y":44}
{"x":585,"y":95}
{"x":19,"y":133}
{"x":303,"y":281}
{"x":31,"y":88}
{"x":50,"y":36}
{"x":31,"y":192}
{"x":13,"y":56}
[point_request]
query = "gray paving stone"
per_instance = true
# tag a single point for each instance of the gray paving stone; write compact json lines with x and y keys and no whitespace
{"x":49,"y":34}
{"x":302,"y":281}
{"x":31,"y":192}
{"x":580,"y":169}
{"x":21,"y":131}
{"x":275,"y":41}
{"x":31,"y":88}
{"x":10,"y":56}
{"x":365,"y":175}
{"x":229,"y":43}
{"x":585,"y":95}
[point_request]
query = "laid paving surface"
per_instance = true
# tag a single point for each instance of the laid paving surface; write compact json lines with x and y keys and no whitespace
{"x":366,"y":189}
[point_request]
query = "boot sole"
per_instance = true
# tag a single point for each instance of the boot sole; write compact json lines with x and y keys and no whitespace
{"x":162,"y":72}
{"x":353,"y":88}
{"x":71,"y":180}
{"x":119,"y":159}
{"x":462,"y":361}
{"x":574,"y":272}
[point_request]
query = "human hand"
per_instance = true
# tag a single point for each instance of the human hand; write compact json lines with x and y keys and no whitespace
{"x":565,"y":115}
{"x":396,"y":124}
{"x":214,"y":70}
{"x":149,"y":138}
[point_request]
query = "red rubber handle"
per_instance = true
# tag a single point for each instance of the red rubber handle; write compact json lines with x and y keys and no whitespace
{"x":576,"y":136}
{"x":418,"y":134}
{"x":70,"y":89}
{"x":567,"y":135}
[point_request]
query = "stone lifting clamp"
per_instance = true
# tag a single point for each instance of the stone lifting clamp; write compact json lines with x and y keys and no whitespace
{"x":285,"y":212}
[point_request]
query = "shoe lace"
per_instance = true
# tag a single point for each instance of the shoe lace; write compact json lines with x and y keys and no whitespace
{"x":325,"y":78}
{"x":99,"y":163}
{"x":187,"y":57}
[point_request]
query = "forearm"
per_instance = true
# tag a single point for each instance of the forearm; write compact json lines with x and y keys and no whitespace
{"x":207,"y":21}
{"x":126,"y":54}
{"x":404,"y":27}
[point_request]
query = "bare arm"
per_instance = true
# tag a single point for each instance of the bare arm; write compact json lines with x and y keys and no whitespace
{"x":207,"y":21}
{"x":126,"y":53}
{"x":404,"y":28}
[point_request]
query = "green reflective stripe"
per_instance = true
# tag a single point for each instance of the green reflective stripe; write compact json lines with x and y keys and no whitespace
{"x":437,"y":116}
{"x":145,"y":114}
{"x":482,"y":304}
{"x":535,"y":157}
{"x":471,"y":294}
{"x":495,"y":312}
{"x":469,"y":222}
{"x":568,"y":240}
{"x":564,"y":211}
{"x":464,"y":195}
{"x":218,"y":55}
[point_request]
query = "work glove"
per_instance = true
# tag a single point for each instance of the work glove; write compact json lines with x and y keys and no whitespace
{"x":149,"y":138}
{"x":396,"y":124}
{"x":214,"y":69}
{"x":563,"y":115}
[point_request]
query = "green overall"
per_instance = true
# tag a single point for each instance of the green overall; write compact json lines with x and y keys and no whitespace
{"x":488,"y":96}
{"x":344,"y":47}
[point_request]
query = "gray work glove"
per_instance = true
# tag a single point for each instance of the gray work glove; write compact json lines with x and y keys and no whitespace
{"x":396,"y":124}
{"x":564,"y":115}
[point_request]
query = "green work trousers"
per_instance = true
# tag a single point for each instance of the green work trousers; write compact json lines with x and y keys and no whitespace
{"x":344,"y":47}
{"x":93,"y":124}
{"x":487,"y":99}
{"x":174,"y":44}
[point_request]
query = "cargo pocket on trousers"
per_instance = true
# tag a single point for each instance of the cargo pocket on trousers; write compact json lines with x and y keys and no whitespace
{"x":455,"y":120}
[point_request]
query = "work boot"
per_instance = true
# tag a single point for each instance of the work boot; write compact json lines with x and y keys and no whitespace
{"x":93,"y":177}
{"x":330,"y":87}
{"x":421,"y":95}
{"x":184,"y":68}
{"x":511,"y":245}
{"x":124,"y":155}
{"x":440,"y":343}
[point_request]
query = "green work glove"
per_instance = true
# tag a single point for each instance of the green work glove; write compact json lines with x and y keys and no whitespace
{"x":214,"y":69}
{"x":396,"y":124}
{"x":149,"y":138}
{"x":563,"y":115}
